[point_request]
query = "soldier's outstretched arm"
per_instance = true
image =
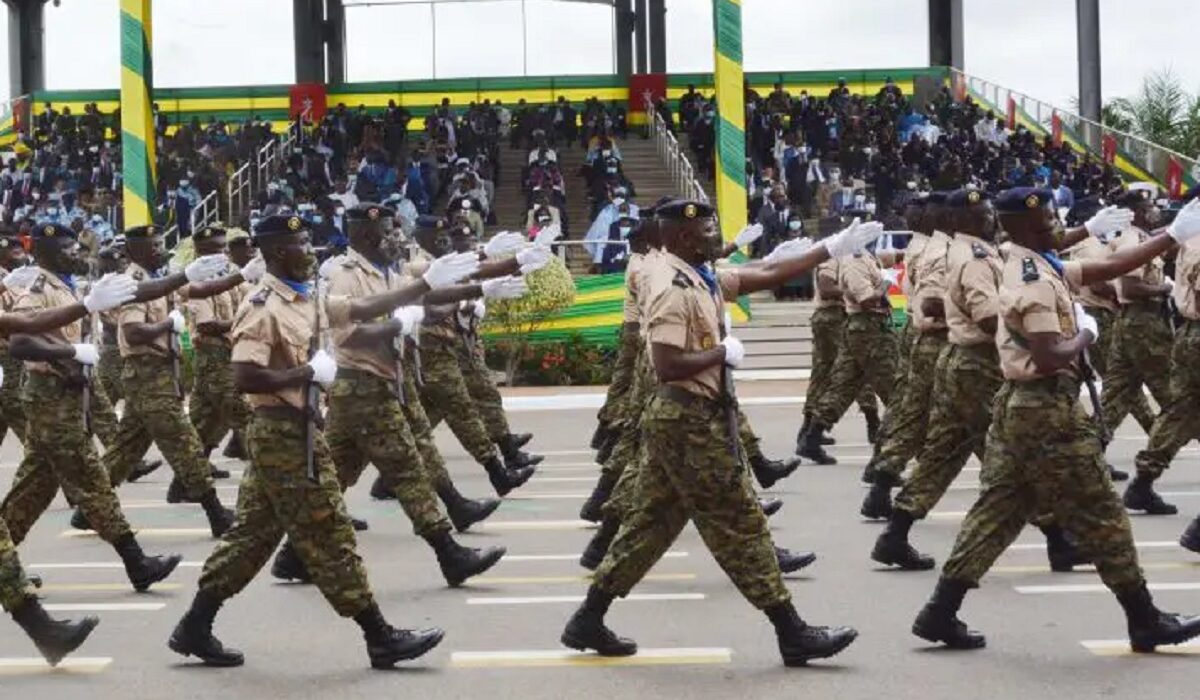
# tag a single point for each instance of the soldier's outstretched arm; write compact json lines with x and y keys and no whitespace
{"x":1125,"y":260}
{"x":35,"y":349}
{"x":211,"y":288}
{"x":773,"y":273}
{"x":34,"y":322}
{"x":152,"y":289}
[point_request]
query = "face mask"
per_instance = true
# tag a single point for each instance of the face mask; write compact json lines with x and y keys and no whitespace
{"x":544,"y":219}
{"x":624,"y":231}
{"x":341,"y":211}
{"x":794,"y":225}
{"x":612,"y":171}
{"x":184,"y":183}
{"x":618,"y":201}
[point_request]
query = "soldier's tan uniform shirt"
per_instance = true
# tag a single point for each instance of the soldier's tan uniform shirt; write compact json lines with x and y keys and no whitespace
{"x":633,"y":269}
{"x":930,"y":280}
{"x":48,"y":291}
{"x":861,"y":278}
{"x":827,"y":273}
{"x":153,"y":311}
{"x":1034,"y":298}
{"x":653,"y":259}
{"x":1092,"y":249}
{"x":273,"y":329}
{"x":219,"y":307}
{"x":683,"y":313}
{"x":1150,"y":273}
{"x":357,"y":277}
{"x":912,"y":255}
{"x":7,"y":299}
{"x":1187,"y":280}
{"x":973,"y":274}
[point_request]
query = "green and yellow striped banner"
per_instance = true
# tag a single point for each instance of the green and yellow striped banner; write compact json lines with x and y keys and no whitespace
{"x":137,"y":121}
{"x":596,"y":315}
{"x":731,"y":117}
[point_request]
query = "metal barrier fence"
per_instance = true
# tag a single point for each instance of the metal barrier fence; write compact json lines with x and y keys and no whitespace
{"x":561,"y":247}
{"x":683,"y":175}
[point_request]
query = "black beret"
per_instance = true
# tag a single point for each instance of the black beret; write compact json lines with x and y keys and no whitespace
{"x":369,"y":211}
{"x":937,"y":197}
{"x":427,"y":222}
{"x":279,"y":225}
{"x":209,"y":232}
{"x":111,"y":252}
{"x":653,"y":210}
{"x":1132,"y":198}
{"x":48,"y":231}
{"x":960,"y":199}
{"x":142,"y":232}
{"x":1020,"y":199}
{"x":683,"y":210}
{"x":7,"y":242}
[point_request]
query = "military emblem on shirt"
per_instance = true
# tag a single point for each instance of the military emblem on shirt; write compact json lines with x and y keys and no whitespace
{"x":707,"y":342}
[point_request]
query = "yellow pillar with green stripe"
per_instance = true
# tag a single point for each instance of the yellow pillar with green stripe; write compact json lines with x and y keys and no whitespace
{"x":137,"y":119}
{"x":731,"y":125}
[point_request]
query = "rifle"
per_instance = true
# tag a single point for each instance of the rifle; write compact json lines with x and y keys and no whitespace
{"x":174,"y":351}
{"x":87,"y":333}
{"x":312,"y":400}
{"x":398,"y":348}
{"x":1089,"y":378}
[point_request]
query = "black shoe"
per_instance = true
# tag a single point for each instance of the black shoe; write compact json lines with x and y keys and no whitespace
{"x":143,"y":469}
{"x":216,"y":472}
{"x":606,"y":448}
{"x":469,"y":511}
{"x":144,"y":571}
{"x":359,"y":524}
{"x":893,"y":550}
{"x":459,"y":563}
{"x":938,"y":621}
{"x":176,"y":493}
{"x":397,"y":645}
{"x":220,"y":518}
{"x":79,"y":521}
{"x":1116,"y":474}
{"x":520,"y":460}
{"x":193,"y":635}
{"x":505,"y":480}
{"x":872,"y":418}
{"x":1150,"y":627}
{"x":1190,"y":539}
{"x":877,"y":504}
{"x":586,"y":630}
{"x":869,"y":472}
{"x":600,"y":436}
{"x":768,"y":471}
{"x":592,"y":507}
{"x":598,"y":546}
{"x":53,"y":638}
{"x":288,"y":566}
{"x":520,"y":440}
{"x":812,"y":449}
{"x":770,"y":506}
{"x":800,"y":642}
{"x":380,"y":490}
{"x":236,"y":447}
{"x":1140,"y":495}
{"x":790,"y":562}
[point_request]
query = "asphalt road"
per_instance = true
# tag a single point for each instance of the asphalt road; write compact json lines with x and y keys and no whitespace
{"x":699,"y":639}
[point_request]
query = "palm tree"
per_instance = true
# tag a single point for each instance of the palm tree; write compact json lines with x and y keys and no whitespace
{"x":1162,"y":112}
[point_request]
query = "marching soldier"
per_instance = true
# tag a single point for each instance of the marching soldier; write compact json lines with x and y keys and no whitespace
{"x":272,"y":333}
{"x":241,"y":252}
{"x":12,"y":414}
{"x":689,"y":471}
{"x":1040,"y":336}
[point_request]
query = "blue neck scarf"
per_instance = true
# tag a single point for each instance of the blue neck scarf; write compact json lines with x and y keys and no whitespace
{"x":1054,"y":261}
{"x":68,"y":280}
{"x":300,"y":288}
{"x":709,"y":276}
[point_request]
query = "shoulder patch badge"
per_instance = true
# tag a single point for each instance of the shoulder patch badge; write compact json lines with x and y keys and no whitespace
{"x":260,"y":297}
{"x":978,"y":250}
{"x":681,"y":280}
{"x":1029,"y":271}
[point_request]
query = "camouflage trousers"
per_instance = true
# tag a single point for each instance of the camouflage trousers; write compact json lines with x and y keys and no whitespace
{"x":422,"y":430}
{"x":109,"y":371}
{"x":366,"y":424}
{"x":59,"y":453}
{"x":1043,"y":456}
{"x":689,"y":474}
{"x":867,"y":361}
{"x":1099,"y":354}
{"x":1140,"y":354}
{"x":215,"y":406}
{"x":445,"y":396}
{"x":907,"y":416}
{"x":105,"y":424}
{"x":1179,"y":423}
{"x":478,"y":378}
{"x":12,"y":411}
{"x":966,"y":380}
{"x":14,"y":586}
{"x":154,"y":415}
{"x":276,"y":498}
{"x":828,"y":334}
{"x":616,"y":408}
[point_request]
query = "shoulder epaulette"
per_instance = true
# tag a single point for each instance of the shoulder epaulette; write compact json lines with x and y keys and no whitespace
{"x":681,"y":280}
{"x":260,"y":297}
{"x":38,"y":285}
{"x":137,"y":275}
{"x":1029,"y":271}
{"x":978,"y":250}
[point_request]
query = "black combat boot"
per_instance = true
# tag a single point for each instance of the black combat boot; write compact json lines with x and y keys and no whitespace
{"x":892,"y":547}
{"x":288,"y":565}
{"x":805,"y":425}
{"x":213,"y":470}
{"x":1116,"y":474}
{"x":770,"y":506}
{"x":520,"y":440}
{"x":591,"y":510}
{"x":359,"y":524}
{"x":768,"y":471}
{"x":600,"y":436}
{"x":53,"y":638}
{"x":598,"y":546}
{"x":460,"y":563}
{"x":465,"y":512}
{"x":586,"y":630}
{"x":220,"y":518}
{"x":1140,"y":495}
{"x":800,"y":642}
{"x":144,"y":571}
{"x":1190,"y":539}
{"x":1150,"y":627}
{"x":873,"y":424}
{"x":514,"y":458}
{"x":193,"y":635}
{"x":381,"y":490}
{"x":387,"y":645}
{"x":811,"y":448}
{"x":143,"y":469}
{"x":938,"y":620}
{"x":1064,"y":556}
{"x":878,"y":501}
{"x":606,"y":448}
{"x":176,"y":493}
{"x":790,"y":562}
{"x":236,"y":447}
{"x":79,"y":521}
{"x":504,"y":479}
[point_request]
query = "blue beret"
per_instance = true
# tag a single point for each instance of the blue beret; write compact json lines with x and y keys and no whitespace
{"x":963,"y":198}
{"x":279,"y":225}
{"x":426,"y":222}
{"x":1020,"y":199}
{"x":49,"y":231}
{"x":683,"y":210}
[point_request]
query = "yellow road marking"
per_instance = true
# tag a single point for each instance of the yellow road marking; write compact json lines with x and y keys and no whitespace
{"x":644,"y":657}
{"x":532,"y":580}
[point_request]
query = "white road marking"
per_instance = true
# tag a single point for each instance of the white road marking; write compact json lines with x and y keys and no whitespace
{"x":1101,"y":588}
{"x":149,"y":532}
{"x":104,"y":565}
{"x":13,"y":666}
{"x":565,"y":557}
{"x":562,"y":657}
{"x":548,"y":497}
{"x":537,"y":600}
{"x":1149,"y":544}
{"x":1120,"y":647}
{"x":500,"y":525}
{"x":104,"y":607}
{"x":565,"y":479}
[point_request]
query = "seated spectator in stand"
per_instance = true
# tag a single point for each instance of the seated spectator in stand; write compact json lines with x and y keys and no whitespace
{"x":614,"y":257}
{"x":773,"y":216}
{"x":615,"y":207}
{"x":541,"y":216}
{"x":466,"y":209}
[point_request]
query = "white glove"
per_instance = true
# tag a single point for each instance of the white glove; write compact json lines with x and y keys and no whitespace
{"x":109,"y":292}
{"x":253,"y":271}
{"x":206,"y":267}
{"x":734,"y":351}
{"x":177,"y":322}
{"x":324,"y":368}
{"x":1086,"y":324}
{"x":1170,"y":284}
{"x":789,"y":249}
{"x":853,"y":239}
{"x":21,"y":277}
{"x":326,"y":267}
{"x":502,"y":244}
{"x":504,"y":288}
{"x":410,"y":318}
{"x":86,"y":353}
{"x":479,"y":308}
{"x":1,"y":376}
{"x":534,"y":258}
{"x":1186,"y":225}
{"x":548,"y":235}
{"x":1108,"y":221}
{"x":451,"y":269}
{"x":748,"y":235}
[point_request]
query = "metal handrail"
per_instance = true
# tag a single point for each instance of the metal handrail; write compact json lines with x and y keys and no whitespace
{"x":678,"y":165}
{"x":205,"y":213}
{"x":1150,"y":157}
{"x":238,"y":191}
{"x":560,"y":246}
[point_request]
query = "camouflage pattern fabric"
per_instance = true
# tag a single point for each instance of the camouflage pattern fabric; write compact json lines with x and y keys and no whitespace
{"x":422,"y":431}
{"x":276,"y":498}
{"x":215,"y":406}
{"x":154,"y":415}
{"x":1043,"y":456}
{"x":14,"y":587}
{"x":688,"y":474}
{"x":483,"y":391}
{"x":867,"y":360}
{"x":12,"y":411}
{"x":109,"y":371}
{"x":445,"y":397}
{"x":1140,"y":354}
{"x":622,"y":465}
{"x":105,"y":424}
{"x":828,"y":331}
{"x":1179,"y":422}
{"x":616,"y":409}
{"x":907,"y":416}
{"x":365,"y":424}
{"x":59,"y":453}
{"x":1099,"y":353}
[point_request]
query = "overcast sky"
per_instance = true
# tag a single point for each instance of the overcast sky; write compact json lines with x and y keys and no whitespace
{"x":1028,"y":45}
